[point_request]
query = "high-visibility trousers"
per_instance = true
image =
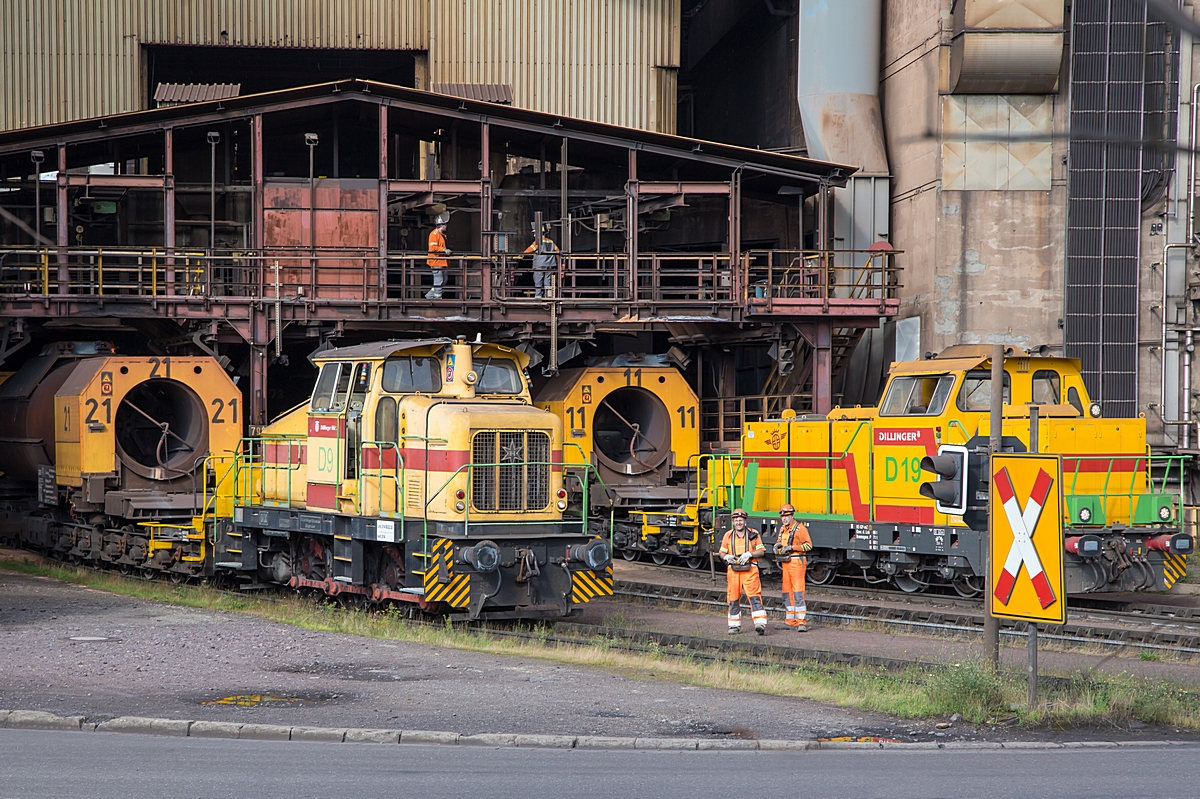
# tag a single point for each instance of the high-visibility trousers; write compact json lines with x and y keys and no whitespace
{"x":747,"y":582}
{"x":793,"y":590}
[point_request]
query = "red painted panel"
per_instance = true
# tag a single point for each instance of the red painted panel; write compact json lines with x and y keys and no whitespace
{"x":905,"y":514}
{"x":278,"y":454}
{"x":907,"y":437}
{"x":322,"y":496}
{"x":326,"y":426}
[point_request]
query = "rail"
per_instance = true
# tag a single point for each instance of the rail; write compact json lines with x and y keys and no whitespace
{"x":353,"y":275}
{"x":381,"y":472}
{"x":723,"y":419}
{"x":821,"y":275}
{"x":252,"y":457}
{"x":723,"y":480}
{"x":469,"y":500}
{"x":1130,"y":464}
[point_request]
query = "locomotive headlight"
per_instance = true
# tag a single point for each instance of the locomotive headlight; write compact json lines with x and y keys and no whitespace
{"x":1094,"y":410}
{"x":1164,"y":513}
{"x":1085,"y":515}
{"x":483,"y":557}
{"x":460,"y":505}
{"x":594,"y":554}
{"x":562,"y":504}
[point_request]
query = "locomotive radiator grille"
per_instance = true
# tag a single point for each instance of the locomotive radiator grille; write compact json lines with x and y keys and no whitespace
{"x":512,"y":471}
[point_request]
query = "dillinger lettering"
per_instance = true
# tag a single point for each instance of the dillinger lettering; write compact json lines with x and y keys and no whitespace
{"x":898,"y":436}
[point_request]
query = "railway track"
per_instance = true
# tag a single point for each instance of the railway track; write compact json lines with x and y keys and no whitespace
{"x":1185,"y":640}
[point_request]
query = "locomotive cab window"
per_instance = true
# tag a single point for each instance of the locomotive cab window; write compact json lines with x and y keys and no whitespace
{"x":1046,"y":387}
{"x":497,"y":376}
{"x":976,"y":392}
{"x":362,"y":383}
{"x":412,"y":374}
{"x":385,"y":421}
{"x":921,"y":395}
{"x":332,"y":384}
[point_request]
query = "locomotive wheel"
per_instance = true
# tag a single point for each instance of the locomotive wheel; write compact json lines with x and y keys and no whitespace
{"x":177,"y":578}
{"x":695,"y":562}
{"x":660,"y":558}
{"x":819,"y":574}
{"x":968,"y":587}
{"x":908,"y":584}
{"x":629,"y":554}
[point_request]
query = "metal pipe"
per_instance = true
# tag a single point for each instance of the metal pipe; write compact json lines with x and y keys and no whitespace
{"x":1191,"y":207}
{"x":1186,"y":384}
{"x":1162,"y":345}
{"x":991,"y":624}
{"x":213,"y":138}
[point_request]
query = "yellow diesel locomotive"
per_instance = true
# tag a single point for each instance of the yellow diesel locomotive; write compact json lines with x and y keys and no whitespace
{"x":855,"y":478}
{"x":419,"y":472}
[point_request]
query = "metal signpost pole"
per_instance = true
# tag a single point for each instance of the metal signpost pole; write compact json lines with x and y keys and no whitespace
{"x":991,"y":625}
{"x":1033,"y":628}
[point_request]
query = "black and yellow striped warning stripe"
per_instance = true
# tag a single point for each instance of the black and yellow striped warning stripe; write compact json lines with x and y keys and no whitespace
{"x":441,"y":583}
{"x":586,"y":585}
{"x":1174,"y":568}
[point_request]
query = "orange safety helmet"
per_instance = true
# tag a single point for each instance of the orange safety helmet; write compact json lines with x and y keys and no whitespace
{"x":787,"y":508}
{"x":737,"y":513}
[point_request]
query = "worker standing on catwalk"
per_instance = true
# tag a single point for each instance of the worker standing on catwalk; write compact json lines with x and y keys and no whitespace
{"x":740,"y":549}
{"x":791,"y":553}
{"x":437,"y":255}
{"x":546,"y":262}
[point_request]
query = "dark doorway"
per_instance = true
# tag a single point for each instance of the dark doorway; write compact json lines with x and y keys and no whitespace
{"x":263,"y":69}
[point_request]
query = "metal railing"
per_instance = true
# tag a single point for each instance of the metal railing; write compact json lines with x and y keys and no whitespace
{"x":1127,"y":491}
{"x":821,"y":274}
{"x":722,"y":421}
{"x":361,"y":276}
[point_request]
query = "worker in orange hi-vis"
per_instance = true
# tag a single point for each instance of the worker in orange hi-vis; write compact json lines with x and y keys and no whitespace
{"x":791,"y":553}
{"x":437,"y":255}
{"x":740,"y":549}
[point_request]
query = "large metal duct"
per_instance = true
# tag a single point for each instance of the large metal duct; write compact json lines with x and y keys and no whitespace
{"x":838,"y":86}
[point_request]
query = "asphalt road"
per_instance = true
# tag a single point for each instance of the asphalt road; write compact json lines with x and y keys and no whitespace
{"x":44,"y":765}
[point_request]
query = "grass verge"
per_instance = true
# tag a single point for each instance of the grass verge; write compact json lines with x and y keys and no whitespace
{"x":970,"y":689}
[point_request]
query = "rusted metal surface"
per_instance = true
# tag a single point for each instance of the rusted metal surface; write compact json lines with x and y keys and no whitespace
{"x":180,"y":93}
{"x":485,"y":92}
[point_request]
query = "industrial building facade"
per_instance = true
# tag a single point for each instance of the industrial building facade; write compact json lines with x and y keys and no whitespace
{"x":64,"y":60}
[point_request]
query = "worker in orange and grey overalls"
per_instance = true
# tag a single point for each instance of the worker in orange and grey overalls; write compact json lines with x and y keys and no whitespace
{"x":791,"y":553}
{"x":437,"y":255}
{"x":740,"y":549}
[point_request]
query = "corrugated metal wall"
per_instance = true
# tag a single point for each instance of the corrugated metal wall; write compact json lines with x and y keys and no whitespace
{"x":598,"y":59}
{"x":582,"y":58}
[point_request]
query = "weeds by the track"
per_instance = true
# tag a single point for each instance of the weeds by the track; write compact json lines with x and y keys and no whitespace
{"x":970,"y":689}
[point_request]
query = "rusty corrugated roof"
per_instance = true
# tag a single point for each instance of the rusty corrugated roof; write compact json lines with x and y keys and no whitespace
{"x":180,"y":93}
{"x":501,"y":93}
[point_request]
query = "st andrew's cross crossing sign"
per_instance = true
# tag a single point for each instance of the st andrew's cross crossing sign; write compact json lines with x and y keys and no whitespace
{"x":1025,"y":571}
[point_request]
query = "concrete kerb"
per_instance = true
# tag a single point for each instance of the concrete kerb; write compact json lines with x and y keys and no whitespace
{"x":43,"y":720}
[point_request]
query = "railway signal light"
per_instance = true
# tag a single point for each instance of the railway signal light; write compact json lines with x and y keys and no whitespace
{"x":949,"y":491}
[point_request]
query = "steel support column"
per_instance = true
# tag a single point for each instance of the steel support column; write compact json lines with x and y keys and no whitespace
{"x":485,"y":206}
{"x":258,"y":367}
{"x":631,"y":224}
{"x":64,"y":227}
{"x":381,"y":277}
{"x":169,"y":207}
{"x":822,"y":367}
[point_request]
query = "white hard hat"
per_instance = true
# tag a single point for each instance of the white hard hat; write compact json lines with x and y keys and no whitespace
{"x":442,"y":218}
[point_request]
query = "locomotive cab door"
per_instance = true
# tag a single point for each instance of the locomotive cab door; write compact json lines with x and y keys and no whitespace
{"x":359,"y":385}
